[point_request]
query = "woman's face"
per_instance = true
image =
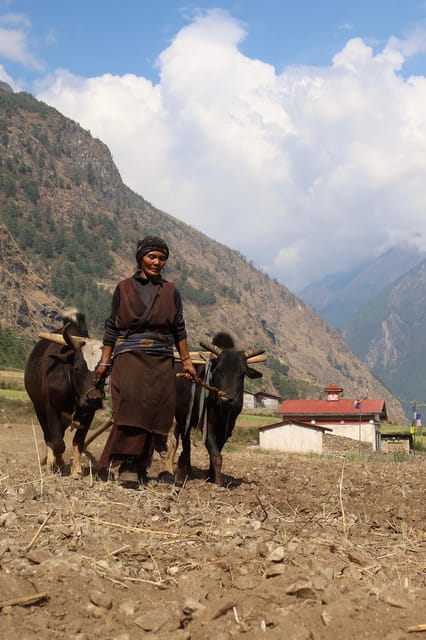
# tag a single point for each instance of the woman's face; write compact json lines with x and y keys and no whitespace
{"x":152,"y":263}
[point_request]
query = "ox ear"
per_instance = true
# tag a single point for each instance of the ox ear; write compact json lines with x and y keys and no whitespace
{"x":75,"y":342}
{"x":62,"y":357}
{"x":252,"y":373}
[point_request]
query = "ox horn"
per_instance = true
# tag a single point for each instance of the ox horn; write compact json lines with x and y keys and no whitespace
{"x":257,"y":358}
{"x":212,"y":348}
{"x":53,"y":337}
{"x":58,"y":338}
{"x":250,"y":353}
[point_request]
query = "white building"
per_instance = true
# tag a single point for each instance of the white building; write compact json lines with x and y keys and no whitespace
{"x":292,"y":436}
{"x":351,"y":418}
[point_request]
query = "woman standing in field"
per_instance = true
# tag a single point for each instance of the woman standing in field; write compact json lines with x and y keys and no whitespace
{"x":145,"y":324}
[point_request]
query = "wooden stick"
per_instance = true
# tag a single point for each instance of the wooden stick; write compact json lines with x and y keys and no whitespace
{"x":135,"y":529}
{"x":104,"y":426}
{"x":40,"y":529}
{"x":36,"y":597}
{"x":265,"y":513}
{"x":220,"y":393}
{"x":342,"y":508}
{"x":418,"y":627}
{"x":125,"y":547}
{"x":199,"y":356}
{"x":38,"y":459}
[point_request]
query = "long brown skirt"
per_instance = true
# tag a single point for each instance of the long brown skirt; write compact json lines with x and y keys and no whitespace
{"x":143,"y":390}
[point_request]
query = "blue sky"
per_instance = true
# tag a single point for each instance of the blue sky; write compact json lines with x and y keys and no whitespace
{"x":94,"y":37}
{"x":294,"y":132}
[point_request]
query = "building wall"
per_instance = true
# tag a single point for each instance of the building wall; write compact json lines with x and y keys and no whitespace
{"x":395,"y":445}
{"x":269,"y":403}
{"x":292,"y":438}
{"x":249,"y":401}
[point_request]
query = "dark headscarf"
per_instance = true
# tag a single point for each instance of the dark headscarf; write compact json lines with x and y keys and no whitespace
{"x":151,"y":243}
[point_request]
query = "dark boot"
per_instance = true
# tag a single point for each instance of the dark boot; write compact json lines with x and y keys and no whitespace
{"x":128,"y":473}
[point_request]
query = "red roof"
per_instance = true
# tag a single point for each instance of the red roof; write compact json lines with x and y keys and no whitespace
{"x":344,"y":406}
{"x":332,"y":388}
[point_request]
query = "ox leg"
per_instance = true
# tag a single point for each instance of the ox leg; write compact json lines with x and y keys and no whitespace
{"x":172,"y":446}
{"x":54,"y":461}
{"x":55,"y":438}
{"x":215,"y":470}
{"x":184,"y":468}
{"x":49,"y":459}
{"x":78,"y":443}
{"x":76,"y":468}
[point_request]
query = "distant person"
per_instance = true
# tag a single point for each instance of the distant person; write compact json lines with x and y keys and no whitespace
{"x":145,"y":324}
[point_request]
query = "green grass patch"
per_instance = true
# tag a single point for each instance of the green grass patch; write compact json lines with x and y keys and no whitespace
{"x":12,"y":380}
{"x":249,"y":420}
{"x":390,"y":429}
{"x":229,"y":448}
{"x":11,"y":384}
{"x":13,"y":394}
{"x":245,"y":435}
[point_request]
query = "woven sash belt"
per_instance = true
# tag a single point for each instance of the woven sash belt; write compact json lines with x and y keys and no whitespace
{"x":153,"y":344}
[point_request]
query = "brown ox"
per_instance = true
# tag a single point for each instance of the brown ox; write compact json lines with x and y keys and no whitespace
{"x":59,"y":380}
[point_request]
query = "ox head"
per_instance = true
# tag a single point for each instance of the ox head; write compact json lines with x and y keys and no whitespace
{"x":231,"y":366}
{"x":76,"y":357}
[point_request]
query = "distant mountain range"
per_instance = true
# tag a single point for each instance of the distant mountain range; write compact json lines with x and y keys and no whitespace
{"x":388,"y":334}
{"x":339,"y":296}
{"x":380,"y":308}
{"x":68,"y":231}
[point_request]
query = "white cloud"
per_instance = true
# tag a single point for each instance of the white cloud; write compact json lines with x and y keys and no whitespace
{"x":305,"y":173}
{"x":15,"y":19}
{"x":14,"y":40}
{"x":412,"y":44}
{"x":5,"y":77}
{"x":346,"y":26}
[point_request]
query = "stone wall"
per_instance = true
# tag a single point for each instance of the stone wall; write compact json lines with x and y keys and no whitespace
{"x":339,"y":445}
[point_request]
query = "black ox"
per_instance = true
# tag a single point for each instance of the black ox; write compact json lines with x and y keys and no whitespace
{"x":59,"y":380}
{"x":218,"y":411}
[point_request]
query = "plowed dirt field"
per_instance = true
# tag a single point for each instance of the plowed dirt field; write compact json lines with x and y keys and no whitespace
{"x":293,"y":547}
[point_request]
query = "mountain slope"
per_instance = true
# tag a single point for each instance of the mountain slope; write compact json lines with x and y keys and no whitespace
{"x":69,"y":231}
{"x":389,"y":334}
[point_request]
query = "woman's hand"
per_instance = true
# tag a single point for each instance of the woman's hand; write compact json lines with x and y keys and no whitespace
{"x":102,"y":371}
{"x":103,"y":368}
{"x":189,"y":369}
